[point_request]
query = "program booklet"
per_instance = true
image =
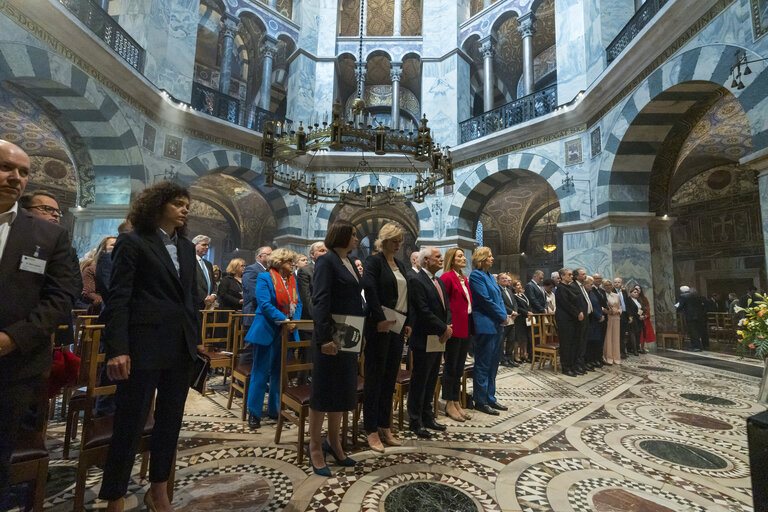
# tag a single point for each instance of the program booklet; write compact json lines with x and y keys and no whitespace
{"x":348,"y":332}
{"x":396,"y":317}
{"x":433,"y":343}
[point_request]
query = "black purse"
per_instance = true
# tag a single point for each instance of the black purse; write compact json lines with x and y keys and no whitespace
{"x":201,"y":365}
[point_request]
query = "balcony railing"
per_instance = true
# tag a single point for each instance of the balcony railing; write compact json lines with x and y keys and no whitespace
{"x":216,"y":103}
{"x":515,"y":112}
{"x":102,"y":24}
{"x":633,"y":27}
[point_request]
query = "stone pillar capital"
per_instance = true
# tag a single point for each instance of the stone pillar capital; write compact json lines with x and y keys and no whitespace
{"x":396,"y":71}
{"x":487,"y":47}
{"x":228,"y":26}
{"x":527,"y":25}
{"x":269,"y":47}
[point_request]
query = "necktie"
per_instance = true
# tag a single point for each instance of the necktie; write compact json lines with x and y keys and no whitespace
{"x":439,"y":290}
{"x":621,"y":299}
{"x":205,"y":273}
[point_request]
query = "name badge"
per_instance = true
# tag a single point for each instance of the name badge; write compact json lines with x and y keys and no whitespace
{"x":32,"y":264}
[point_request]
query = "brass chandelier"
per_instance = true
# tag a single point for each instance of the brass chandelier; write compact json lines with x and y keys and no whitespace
{"x":428,"y":166}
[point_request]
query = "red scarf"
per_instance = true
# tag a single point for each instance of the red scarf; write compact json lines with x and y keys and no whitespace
{"x":285,"y":296}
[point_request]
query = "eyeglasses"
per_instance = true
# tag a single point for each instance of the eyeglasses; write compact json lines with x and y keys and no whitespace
{"x":47,"y":209}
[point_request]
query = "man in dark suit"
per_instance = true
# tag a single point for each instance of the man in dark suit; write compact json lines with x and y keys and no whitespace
{"x":507,"y":358}
{"x":415,"y":267}
{"x":204,"y":272}
{"x":618,"y":285}
{"x":568,"y":315}
{"x":691,"y":305}
{"x":39,"y":287}
{"x":304,"y":278}
{"x":250,"y":274}
{"x":535,"y":294}
{"x":430,"y":311}
{"x":585,"y":308}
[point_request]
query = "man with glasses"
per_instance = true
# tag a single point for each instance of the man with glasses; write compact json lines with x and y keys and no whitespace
{"x":42,"y":204}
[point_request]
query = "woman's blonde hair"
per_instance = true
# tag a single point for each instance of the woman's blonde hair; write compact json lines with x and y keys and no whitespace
{"x":479,"y":256}
{"x":388,"y":231}
{"x":450,"y":256}
{"x":280,"y":256}
{"x":233,"y":264}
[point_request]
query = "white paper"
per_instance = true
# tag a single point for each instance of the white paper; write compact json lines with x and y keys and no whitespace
{"x":348,"y":334}
{"x":433,"y":343}
{"x":395,"y":316}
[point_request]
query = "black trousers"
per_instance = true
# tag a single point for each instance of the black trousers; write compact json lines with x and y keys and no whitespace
{"x":15,"y":403}
{"x":455,"y":357}
{"x":383,"y":351}
{"x":696,"y":333}
{"x":426,"y":367}
{"x":581,"y":342}
{"x":623,"y":335}
{"x":507,"y":343}
{"x":567,"y":336}
{"x":133,"y":401}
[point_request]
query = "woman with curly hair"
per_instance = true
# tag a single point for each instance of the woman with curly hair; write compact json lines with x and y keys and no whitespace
{"x":90,"y":295}
{"x":151,"y":337}
{"x":647,"y":334}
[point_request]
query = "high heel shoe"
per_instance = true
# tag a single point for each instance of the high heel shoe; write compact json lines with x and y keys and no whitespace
{"x":149,"y":502}
{"x":451,"y":413}
{"x":323,"y":471}
{"x":348,"y":462}
{"x":374,"y":442}
{"x":388,"y":438}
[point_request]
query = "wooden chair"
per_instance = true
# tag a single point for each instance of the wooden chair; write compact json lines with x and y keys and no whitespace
{"x":75,"y":398}
{"x":216,"y":339}
{"x":294,"y":400}
{"x":671,"y":337}
{"x":543,"y":333}
{"x":240,"y":372}
{"x":469,"y":371}
{"x":97,"y":431}
{"x":29,"y":459}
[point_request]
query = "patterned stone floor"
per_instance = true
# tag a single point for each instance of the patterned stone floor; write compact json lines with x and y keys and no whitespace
{"x":654,"y":434}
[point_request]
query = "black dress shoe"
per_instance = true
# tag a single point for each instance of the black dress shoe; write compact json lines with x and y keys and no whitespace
{"x":623,"y":356}
{"x":433,"y":425}
{"x":570,"y":373}
{"x":486,"y":409}
{"x":498,"y":406}
{"x":589,"y":366}
{"x":599,"y":364}
{"x":514,"y":364}
{"x":580,"y":372}
{"x":421,"y":432}
{"x":253,"y":421}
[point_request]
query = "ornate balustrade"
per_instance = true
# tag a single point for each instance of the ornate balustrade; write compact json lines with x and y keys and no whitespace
{"x":633,"y":27}
{"x":515,"y":112}
{"x":217,"y":104}
{"x":101,"y":23}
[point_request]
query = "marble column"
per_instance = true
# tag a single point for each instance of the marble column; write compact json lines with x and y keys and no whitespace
{"x":270,"y":50}
{"x":486,"y":48}
{"x":228,"y":31}
{"x":364,"y":7}
{"x":663,"y":313}
{"x":273,"y":4}
{"x":527,"y":28}
{"x":763,"y":187}
{"x":394,"y":73}
{"x":398,"y":18}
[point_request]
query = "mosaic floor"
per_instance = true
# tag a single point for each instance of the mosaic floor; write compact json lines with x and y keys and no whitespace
{"x":654,"y":434}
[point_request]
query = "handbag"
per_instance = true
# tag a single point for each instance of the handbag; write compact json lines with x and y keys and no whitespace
{"x":200,"y":372}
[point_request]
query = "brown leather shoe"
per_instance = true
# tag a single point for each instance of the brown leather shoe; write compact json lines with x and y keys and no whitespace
{"x":388,"y":438}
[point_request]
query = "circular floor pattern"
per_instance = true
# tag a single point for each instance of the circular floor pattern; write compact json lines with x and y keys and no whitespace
{"x":683,"y":454}
{"x":431,"y":494}
{"x":428,"y":497}
{"x":683,"y":421}
{"x":690,"y":396}
{"x":654,"y":368}
{"x":708,"y":399}
{"x":242,"y":487}
{"x":640,"y":496}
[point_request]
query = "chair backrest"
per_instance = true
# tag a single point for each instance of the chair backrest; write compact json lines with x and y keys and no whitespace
{"x":542,"y":328}
{"x":237,"y":334}
{"x":289,"y":369}
{"x":91,"y":359}
{"x":216,"y":327}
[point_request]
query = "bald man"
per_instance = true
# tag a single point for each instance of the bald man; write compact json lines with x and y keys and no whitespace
{"x":39,"y":287}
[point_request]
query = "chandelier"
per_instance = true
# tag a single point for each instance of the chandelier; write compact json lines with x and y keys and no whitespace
{"x":288,"y":155}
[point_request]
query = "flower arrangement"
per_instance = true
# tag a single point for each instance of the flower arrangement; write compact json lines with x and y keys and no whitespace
{"x":752,"y":331}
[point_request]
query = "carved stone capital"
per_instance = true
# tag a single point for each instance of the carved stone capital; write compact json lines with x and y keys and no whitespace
{"x":396,"y":71}
{"x":486,"y":49}
{"x":269,"y":48}
{"x":228,"y":27}
{"x":527,"y":25}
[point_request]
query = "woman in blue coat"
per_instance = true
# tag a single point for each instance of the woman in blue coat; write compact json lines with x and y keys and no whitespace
{"x":278,"y":300}
{"x":490,"y":316}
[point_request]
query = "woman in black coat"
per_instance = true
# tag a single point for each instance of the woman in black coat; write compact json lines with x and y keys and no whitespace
{"x":596,"y":327}
{"x":522,"y":330}
{"x":151,"y":336}
{"x":385,"y":286}
{"x":230,"y":292}
{"x":337,"y":290}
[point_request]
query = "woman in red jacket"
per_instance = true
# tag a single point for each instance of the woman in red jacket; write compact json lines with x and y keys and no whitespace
{"x":456,"y":348}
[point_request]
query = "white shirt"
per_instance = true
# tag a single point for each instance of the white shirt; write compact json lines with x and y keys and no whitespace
{"x":6,"y":220}
{"x":586,"y":296}
{"x":466,"y":292}
{"x":208,"y":277}
{"x":402,"y":290}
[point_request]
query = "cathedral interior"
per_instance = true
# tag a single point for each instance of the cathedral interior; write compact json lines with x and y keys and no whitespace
{"x":627,"y":137}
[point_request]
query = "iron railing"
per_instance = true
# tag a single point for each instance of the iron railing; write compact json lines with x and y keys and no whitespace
{"x":217,"y":104}
{"x":101,"y":23}
{"x":515,"y":112}
{"x":633,"y":27}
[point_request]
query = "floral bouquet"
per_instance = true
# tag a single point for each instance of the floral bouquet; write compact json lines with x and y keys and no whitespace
{"x":753,"y":328}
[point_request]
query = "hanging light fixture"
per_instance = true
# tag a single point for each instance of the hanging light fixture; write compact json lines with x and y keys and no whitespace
{"x":550,"y":232}
{"x":427,"y":165}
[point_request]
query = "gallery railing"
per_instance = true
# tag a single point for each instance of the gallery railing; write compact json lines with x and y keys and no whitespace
{"x":633,"y":27}
{"x":216,"y":103}
{"x":515,"y":112}
{"x":101,"y":23}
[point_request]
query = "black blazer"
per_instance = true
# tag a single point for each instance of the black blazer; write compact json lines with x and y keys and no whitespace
{"x":523,"y":308}
{"x":230,"y":293}
{"x":150,"y":305}
{"x":510,"y":303}
{"x":633,"y":313}
{"x":380,"y":286}
{"x":536,"y":297}
{"x":425,"y":305}
{"x":32,"y":305}
{"x":304,"y":278}
{"x":568,"y":304}
{"x":582,"y":301}
{"x":202,"y":284}
{"x":335,"y":292}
